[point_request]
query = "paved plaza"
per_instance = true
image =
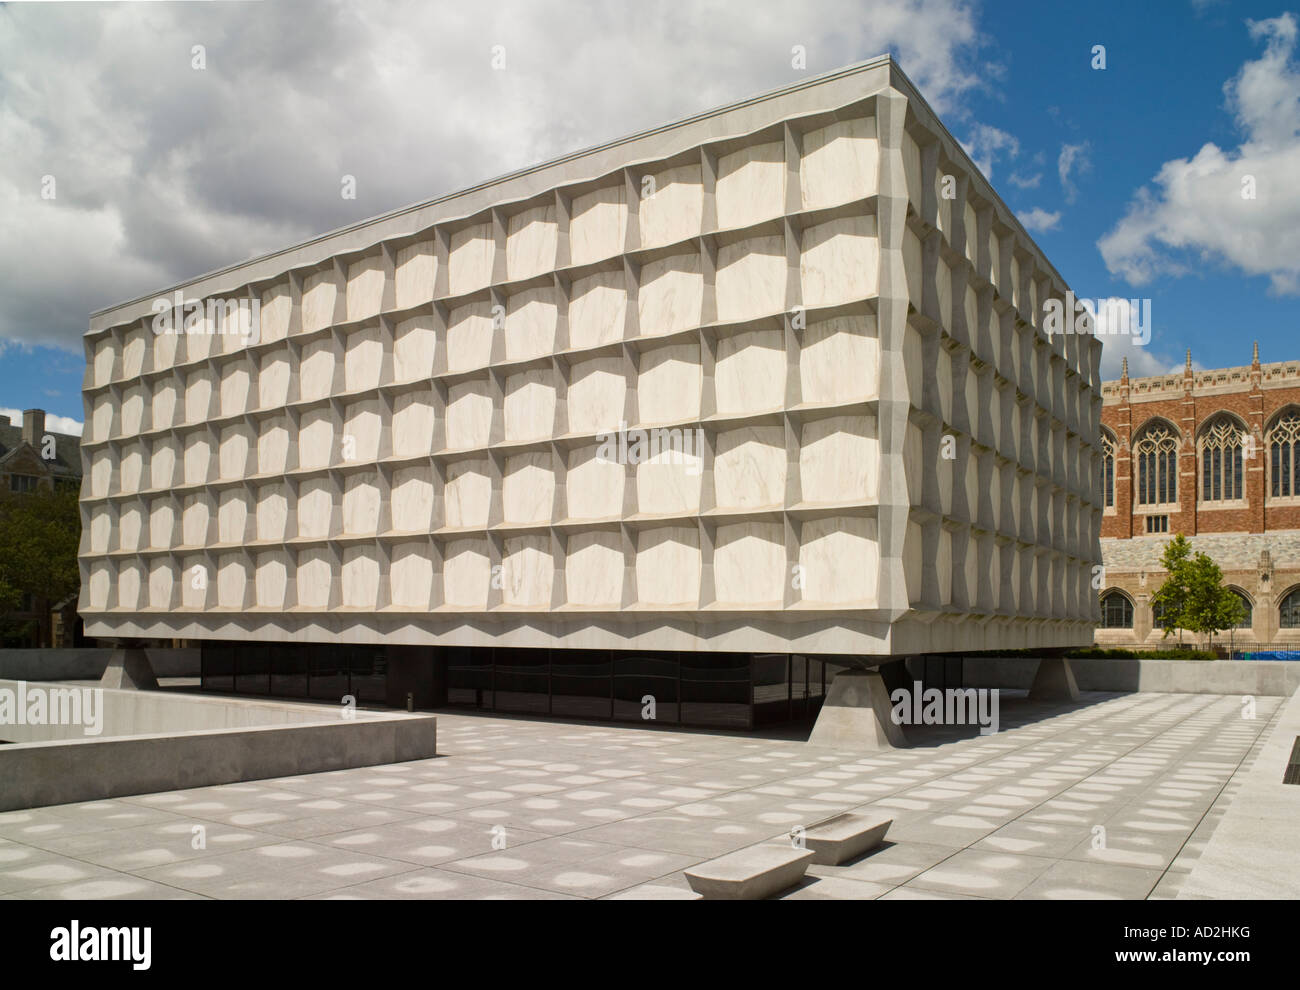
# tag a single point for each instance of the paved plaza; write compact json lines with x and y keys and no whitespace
{"x":1114,"y":796}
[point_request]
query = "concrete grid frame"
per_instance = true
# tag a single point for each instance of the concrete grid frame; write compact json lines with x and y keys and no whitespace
{"x":817,"y":282}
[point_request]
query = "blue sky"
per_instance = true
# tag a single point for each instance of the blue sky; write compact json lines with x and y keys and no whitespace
{"x":165,"y":172}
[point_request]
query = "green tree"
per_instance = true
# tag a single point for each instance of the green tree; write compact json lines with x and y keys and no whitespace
{"x":39,"y":536}
{"x":1193,"y":596}
{"x":1210,"y":607}
{"x":1171,"y":598}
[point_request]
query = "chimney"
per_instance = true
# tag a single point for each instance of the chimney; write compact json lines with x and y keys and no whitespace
{"x":33,"y":426}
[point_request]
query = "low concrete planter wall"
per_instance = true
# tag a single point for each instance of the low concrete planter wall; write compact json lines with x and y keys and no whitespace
{"x":258,"y":740}
{"x":1276,"y":678}
{"x":88,"y":664}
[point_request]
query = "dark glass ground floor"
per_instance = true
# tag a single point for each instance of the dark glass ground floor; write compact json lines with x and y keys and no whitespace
{"x":724,"y":690}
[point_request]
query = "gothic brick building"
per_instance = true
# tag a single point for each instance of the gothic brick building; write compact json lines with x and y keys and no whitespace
{"x":1215,"y":456}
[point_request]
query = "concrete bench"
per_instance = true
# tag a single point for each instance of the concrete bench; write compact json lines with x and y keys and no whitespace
{"x":750,"y":874}
{"x":839,"y":839}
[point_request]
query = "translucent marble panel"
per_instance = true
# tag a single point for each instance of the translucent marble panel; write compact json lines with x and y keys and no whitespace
{"x":751,"y":278}
{"x":414,"y":422}
{"x":272,"y":579}
{"x":272,"y":512}
{"x":198,"y":395}
{"x":316,"y":371}
{"x":670,"y":477}
{"x":530,"y":404}
{"x":232,"y":581}
{"x":272,"y":445}
{"x":161,"y":463}
{"x":840,"y":163}
{"x":749,"y":373}
{"x":668,"y":566}
{"x":594,"y":568}
{"x":671,"y":206}
{"x":839,"y":261}
{"x":162,"y":584}
{"x":469,"y":336}
{"x":360,"y":584}
{"x":319,"y":294}
{"x":467,"y":497}
{"x":164,"y":405}
{"x":415,"y":345}
{"x":596,"y":395}
{"x":315,"y":509}
{"x":528,"y":487}
{"x":361,"y":504}
{"x":671,"y":294}
{"x":594,"y":487}
{"x":469,"y":265}
{"x":129,"y":528}
{"x":198,"y":457}
{"x":749,"y":565}
{"x":840,"y":558}
{"x":196,"y":520}
{"x":414,"y":275}
{"x":751,"y":185}
{"x":838,"y":460}
{"x":839,"y":360}
{"x":413,"y":499}
{"x":162,"y":523}
{"x":597,"y":224}
{"x":132,"y":410}
{"x":531,"y":238}
{"x":669,"y":383}
{"x":527,"y":571}
{"x":411,"y":576}
{"x":363,"y":359}
{"x":363,"y":424}
{"x":315,"y":575}
{"x":273,"y":380}
{"x":749,"y":468}
{"x":466,"y":573}
{"x":469,"y":414}
{"x":273,"y":314}
{"x":232,"y":516}
{"x":236,"y":380}
{"x":531,"y":318}
{"x":233,"y":456}
{"x":597,"y":309}
{"x":316,"y":438}
{"x":365,"y":288}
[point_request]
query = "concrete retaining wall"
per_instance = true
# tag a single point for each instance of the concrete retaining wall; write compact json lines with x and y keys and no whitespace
{"x":1276,"y":678}
{"x":135,"y":713}
{"x":88,"y":664}
{"x":239,"y":740}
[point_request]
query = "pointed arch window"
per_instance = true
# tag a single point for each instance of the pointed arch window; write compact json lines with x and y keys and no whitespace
{"x":1290,"y":611}
{"x":1107,"y":470}
{"x":1284,"y":456}
{"x":1156,"y":453}
{"x":1116,"y":611}
{"x":1222,"y":476}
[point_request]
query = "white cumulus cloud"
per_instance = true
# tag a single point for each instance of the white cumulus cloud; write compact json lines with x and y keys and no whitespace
{"x":1237,"y":207}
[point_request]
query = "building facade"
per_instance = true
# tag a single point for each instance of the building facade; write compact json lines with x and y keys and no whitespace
{"x":1211,"y":455}
{"x":32,"y":458}
{"x":770,"y":381}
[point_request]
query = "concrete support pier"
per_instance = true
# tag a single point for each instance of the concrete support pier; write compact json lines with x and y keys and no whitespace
{"x":1054,"y":681}
{"x":129,"y":668}
{"x":856,"y":714}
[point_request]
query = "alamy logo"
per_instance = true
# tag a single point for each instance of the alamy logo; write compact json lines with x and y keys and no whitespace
{"x":77,"y":944}
{"x":228,"y":317}
{"x":30,"y":704}
{"x":667,"y":446}
{"x":953,"y":706}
